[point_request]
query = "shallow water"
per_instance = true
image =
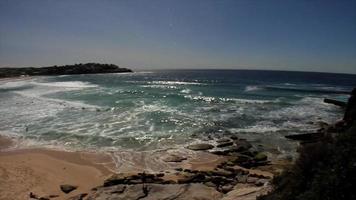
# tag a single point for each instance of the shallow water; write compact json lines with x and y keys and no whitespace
{"x":166,"y":109}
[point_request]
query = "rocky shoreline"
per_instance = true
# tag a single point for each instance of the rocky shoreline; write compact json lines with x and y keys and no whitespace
{"x":87,"y":68}
{"x":228,"y":170}
{"x":236,"y":176}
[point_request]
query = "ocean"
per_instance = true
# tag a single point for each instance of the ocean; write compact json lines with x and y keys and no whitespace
{"x":152,"y":110}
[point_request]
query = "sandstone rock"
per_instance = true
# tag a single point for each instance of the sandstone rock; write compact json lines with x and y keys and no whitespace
{"x":200,"y":147}
{"x":252,"y":180}
{"x":156,"y":192}
{"x":222,"y":172}
{"x":210,"y":184}
{"x":192,"y":178}
{"x":68,"y":188}
{"x":244,"y":192}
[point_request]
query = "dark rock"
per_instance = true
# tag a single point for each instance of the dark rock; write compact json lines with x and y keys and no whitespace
{"x":68,"y":188}
{"x":33,"y":195}
{"x":226,"y":188}
{"x":174,"y":158}
{"x":252,"y":180}
{"x":225,"y":144}
{"x":233,"y":137}
{"x":223,"y":140}
{"x":115,"y":180}
{"x":200,"y":147}
{"x":306,"y":136}
{"x":187,"y":170}
{"x":242,"y":179}
{"x":260,"y":157}
{"x":261,"y":182}
{"x":239,"y":159}
{"x":78,"y":197}
{"x":192,"y":178}
{"x":139,"y":178}
{"x":43,"y":198}
{"x":220,"y":180}
{"x":156,"y":192}
{"x":242,"y":145}
{"x":210,"y":184}
{"x":222,"y":172}
{"x":179,"y":169}
{"x":160,"y":175}
{"x":249,"y":153}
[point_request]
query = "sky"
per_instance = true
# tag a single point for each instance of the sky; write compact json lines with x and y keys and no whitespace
{"x":310,"y":35}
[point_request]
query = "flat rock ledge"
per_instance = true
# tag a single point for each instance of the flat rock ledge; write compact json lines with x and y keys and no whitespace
{"x":228,"y":180}
{"x":183,"y":184}
{"x":153,"y":191}
{"x":200,"y":147}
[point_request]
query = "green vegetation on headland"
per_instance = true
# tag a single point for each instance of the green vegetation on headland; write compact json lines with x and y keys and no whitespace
{"x":88,"y":68}
{"x":326,"y":168}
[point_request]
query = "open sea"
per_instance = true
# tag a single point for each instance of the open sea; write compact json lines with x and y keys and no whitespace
{"x":166,"y":109}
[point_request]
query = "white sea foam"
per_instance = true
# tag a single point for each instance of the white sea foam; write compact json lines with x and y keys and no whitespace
{"x":66,"y":84}
{"x":160,"y":86}
{"x":186,"y":91}
{"x":251,"y":88}
{"x":175,"y":83}
{"x":222,"y":99}
{"x":13,"y":84}
{"x":256,"y":129}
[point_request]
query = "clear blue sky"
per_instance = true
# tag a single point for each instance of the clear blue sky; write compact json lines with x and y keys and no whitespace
{"x":149,"y":34}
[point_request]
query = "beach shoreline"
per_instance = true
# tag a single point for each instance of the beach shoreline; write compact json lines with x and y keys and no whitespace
{"x":41,"y":171}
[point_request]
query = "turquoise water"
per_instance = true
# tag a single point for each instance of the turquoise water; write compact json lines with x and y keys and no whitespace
{"x":164,"y":109}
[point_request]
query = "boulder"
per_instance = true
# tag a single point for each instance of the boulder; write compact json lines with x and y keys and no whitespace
{"x":174,"y":158}
{"x":200,"y":147}
{"x":223,"y":140}
{"x":68,"y":188}
{"x":242,"y":145}
{"x":261,"y":182}
{"x":225,"y":144}
{"x":260,"y":157}
{"x":226,"y":188}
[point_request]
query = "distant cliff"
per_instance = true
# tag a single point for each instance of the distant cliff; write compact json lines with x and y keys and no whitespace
{"x":88,"y":68}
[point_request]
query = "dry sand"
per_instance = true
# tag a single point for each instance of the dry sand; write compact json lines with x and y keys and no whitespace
{"x":42,"y":172}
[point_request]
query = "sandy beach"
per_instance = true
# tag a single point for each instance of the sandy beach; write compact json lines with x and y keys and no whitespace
{"x":42,"y":171}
